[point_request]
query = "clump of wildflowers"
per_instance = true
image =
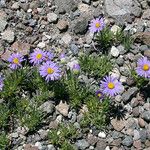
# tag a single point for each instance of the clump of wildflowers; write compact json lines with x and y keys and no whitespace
{"x":15,"y":60}
{"x":37,"y":57}
{"x":96,"y":25}
{"x":111,"y":86}
{"x":1,"y":83}
{"x":50,"y":71}
{"x":143,"y":67}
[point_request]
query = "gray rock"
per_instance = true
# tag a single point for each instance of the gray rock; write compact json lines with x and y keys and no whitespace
{"x":15,"y":6}
{"x":8,"y":35}
{"x":136,"y":135}
{"x":82,"y":144}
{"x":147,"y":53}
{"x":47,"y":107}
{"x":127,"y":96}
{"x":146,"y":116}
{"x":14,"y":135}
{"x":81,"y":26}
{"x":50,"y":147}
{"x":66,"y":38}
{"x":66,"y":6}
{"x":86,"y":1}
{"x":143,"y":135}
{"x":122,"y":10}
{"x":73,"y":116}
{"x":74,"y":49}
{"x":3,"y":24}
{"x":52,"y":17}
{"x":146,"y":14}
{"x":135,"y":112}
{"x":2,"y":3}
{"x":92,"y":140}
{"x":101,"y":144}
{"x":127,"y":141}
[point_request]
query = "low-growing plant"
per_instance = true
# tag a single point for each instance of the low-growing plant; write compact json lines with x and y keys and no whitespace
{"x":96,"y":66}
{"x":76,"y":91}
{"x":4,"y":141}
{"x":97,"y":114}
{"x":63,"y":136}
{"x":106,"y":38}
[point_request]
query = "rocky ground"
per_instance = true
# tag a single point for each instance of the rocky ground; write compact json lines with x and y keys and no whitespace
{"x":63,"y":24}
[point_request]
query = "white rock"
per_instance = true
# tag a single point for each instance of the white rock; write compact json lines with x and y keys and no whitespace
{"x":123,"y":79}
{"x":14,"y":135}
{"x":114,"y":51}
{"x":29,"y":10}
{"x":115,"y":29}
{"x":41,"y":45}
{"x":102,"y":135}
{"x":66,"y":39}
{"x":39,"y":145}
{"x":15,"y":5}
{"x":52,"y":17}
{"x":107,"y":148}
{"x":59,"y":118}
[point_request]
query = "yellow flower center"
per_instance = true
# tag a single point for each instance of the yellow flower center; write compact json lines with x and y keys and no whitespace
{"x":50,"y":70}
{"x":39,"y":56}
{"x":97,"y":25}
{"x":99,"y":94}
{"x":145,"y":67}
{"x":16,"y":61}
{"x":111,"y":85}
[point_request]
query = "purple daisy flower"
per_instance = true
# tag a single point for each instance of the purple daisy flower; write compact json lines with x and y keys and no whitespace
{"x":143,"y":67}
{"x":111,"y":86}
{"x":96,"y":25}
{"x":37,"y":57}
{"x":15,"y":59}
{"x":76,"y":68}
{"x":50,"y":71}
{"x":1,"y":83}
{"x":49,"y":56}
{"x":99,"y":94}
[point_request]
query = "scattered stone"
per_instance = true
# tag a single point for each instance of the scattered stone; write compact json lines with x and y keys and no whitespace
{"x":146,"y":14}
{"x":135,"y":112}
{"x":39,"y":145}
{"x":127,"y":141}
{"x":143,"y":135}
{"x":52,"y":17}
{"x":92,"y":140}
{"x":8,"y":35}
{"x":66,"y":39}
{"x":51,"y":147}
{"x":115,"y":29}
{"x":47,"y":107}
{"x":146,"y":116}
{"x":81,"y":26}
{"x":127,"y":96}
{"x":141,"y":123}
{"x":114,"y":51}
{"x":41,"y":45}
{"x":14,"y":135}
{"x":147,"y":53}
{"x":74,"y":49}
{"x":63,"y":108}
{"x":66,"y":6}
{"x":22,"y":48}
{"x":15,"y":6}
{"x":101,"y":144}
{"x":136,"y":135}
{"x":86,"y":1}
{"x":30,"y":147}
{"x":118,"y":125}
{"x":53,"y":124}
{"x":3,"y":24}
{"x":82,"y":144}
{"x":137,"y":144}
{"x":102,"y":135}
{"x":62,"y":25}
{"x":142,"y":37}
